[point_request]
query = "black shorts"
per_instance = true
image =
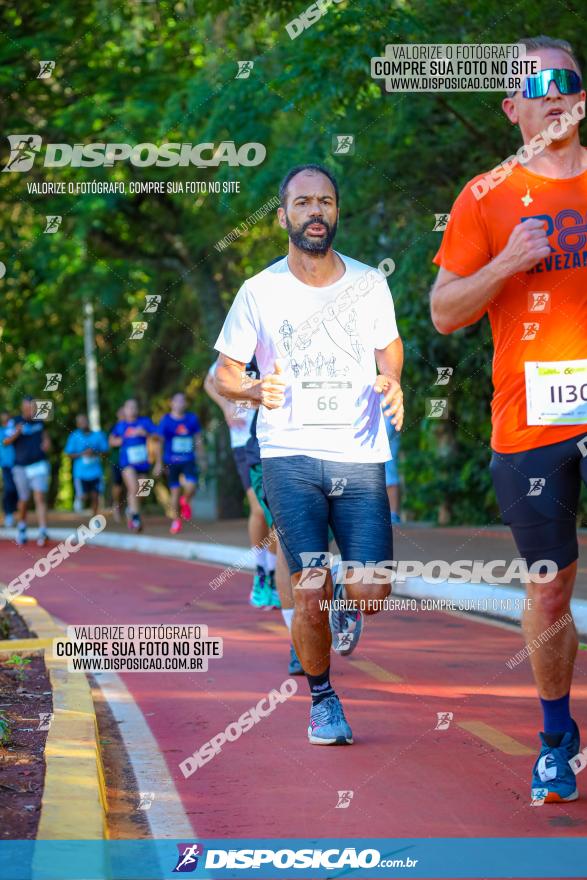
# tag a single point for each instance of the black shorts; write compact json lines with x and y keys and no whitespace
{"x":116,"y":475}
{"x":174,"y":471}
{"x":538,"y":493}
{"x":89,"y":486}
{"x":240,"y":459}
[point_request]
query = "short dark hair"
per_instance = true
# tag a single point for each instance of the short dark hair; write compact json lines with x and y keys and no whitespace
{"x":316,"y":169}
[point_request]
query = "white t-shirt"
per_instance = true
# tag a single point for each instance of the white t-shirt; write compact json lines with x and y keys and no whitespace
{"x":239,"y":434}
{"x":325,"y":339}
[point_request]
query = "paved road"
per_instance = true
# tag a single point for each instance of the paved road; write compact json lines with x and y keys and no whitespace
{"x":408,"y":778}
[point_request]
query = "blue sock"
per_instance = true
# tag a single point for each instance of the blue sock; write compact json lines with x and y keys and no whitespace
{"x":557,"y":716}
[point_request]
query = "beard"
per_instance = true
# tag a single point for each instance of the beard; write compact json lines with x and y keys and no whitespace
{"x":311,"y":246}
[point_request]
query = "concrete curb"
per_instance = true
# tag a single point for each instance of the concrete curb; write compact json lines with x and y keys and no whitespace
{"x":220,"y":554}
{"x":229,"y":555}
{"x":73,"y":805}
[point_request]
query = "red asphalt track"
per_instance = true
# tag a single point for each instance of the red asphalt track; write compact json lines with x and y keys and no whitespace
{"x":408,"y":779}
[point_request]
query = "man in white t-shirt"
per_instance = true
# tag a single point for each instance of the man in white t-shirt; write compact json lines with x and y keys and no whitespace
{"x":320,"y":324}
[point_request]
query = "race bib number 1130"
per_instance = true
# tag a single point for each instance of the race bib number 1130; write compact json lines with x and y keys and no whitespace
{"x":556,"y":392}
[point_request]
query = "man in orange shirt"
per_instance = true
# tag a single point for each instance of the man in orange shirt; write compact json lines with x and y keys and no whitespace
{"x":516,"y":248}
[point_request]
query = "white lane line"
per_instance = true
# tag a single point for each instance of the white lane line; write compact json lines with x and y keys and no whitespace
{"x":166,"y":815}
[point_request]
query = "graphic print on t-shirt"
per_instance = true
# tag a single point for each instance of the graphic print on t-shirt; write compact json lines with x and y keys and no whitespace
{"x":325,"y":339}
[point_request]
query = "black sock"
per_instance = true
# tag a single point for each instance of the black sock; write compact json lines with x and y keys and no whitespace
{"x":320,"y":686}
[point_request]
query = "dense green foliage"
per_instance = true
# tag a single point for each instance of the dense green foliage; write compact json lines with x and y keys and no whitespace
{"x":157,"y":72}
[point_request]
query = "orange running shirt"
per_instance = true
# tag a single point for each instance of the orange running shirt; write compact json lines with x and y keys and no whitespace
{"x":477,"y":230}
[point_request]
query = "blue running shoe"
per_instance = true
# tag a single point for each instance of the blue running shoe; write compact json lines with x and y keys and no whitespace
{"x":328,"y":726}
{"x":553,"y":778}
{"x":295,"y":667}
{"x":346,"y":626}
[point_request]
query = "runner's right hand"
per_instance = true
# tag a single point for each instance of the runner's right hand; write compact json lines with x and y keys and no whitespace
{"x":527,"y":245}
{"x":270,"y":391}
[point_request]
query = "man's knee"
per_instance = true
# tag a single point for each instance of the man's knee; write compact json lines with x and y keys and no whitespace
{"x":552,"y":599}
{"x":311,"y":591}
{"x":370,"y":594}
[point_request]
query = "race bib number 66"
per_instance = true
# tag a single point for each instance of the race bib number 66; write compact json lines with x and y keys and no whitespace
{"x":323,"y":403}
{"x":556,"y":392}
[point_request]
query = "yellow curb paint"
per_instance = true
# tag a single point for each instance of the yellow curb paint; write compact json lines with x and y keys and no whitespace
{"x":25,"y":644}
{"x":495,"y":738}
{"x":376,"y":671}
{"x":73,"y":805}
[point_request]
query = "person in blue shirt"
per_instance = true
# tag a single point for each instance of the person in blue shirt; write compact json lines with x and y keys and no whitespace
{"x":130,"y":436}
{"x":180,"y":432}
{"x":9,"y":493}
{"x":28,"y":436}
{"x":85,"y":447}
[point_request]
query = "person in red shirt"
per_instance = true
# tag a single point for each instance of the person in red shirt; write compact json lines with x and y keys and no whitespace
{"x":515,"y":248}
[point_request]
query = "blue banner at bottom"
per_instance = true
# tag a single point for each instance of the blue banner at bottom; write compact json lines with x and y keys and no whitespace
{"x":283,"y":859}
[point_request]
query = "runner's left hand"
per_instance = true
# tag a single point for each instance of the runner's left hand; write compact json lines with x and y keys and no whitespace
{"x":393,"y":399}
